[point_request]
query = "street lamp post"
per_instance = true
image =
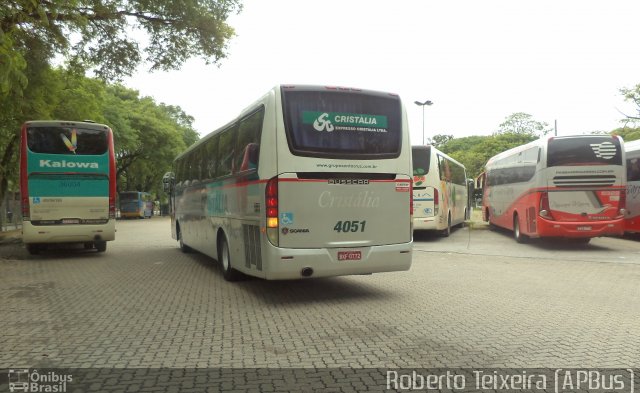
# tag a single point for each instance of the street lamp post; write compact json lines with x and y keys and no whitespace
{"x":423,"y":104}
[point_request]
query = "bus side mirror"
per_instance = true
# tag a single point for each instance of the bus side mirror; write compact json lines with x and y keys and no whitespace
{"x":167,"y":181}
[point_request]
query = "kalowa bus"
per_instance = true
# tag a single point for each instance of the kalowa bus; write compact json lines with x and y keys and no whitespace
{"x":308,"y":181}
{"x":570,"y":187}
{"x":67,"y":184}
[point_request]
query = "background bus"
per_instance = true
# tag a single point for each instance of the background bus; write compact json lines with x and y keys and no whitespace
{"x":135,"y":204}
{"x":440,"y":190}
{"x":306,"y":182}
{"x":572,"y":187}
{"x":67,"y":184}
{"x":632,"y":219}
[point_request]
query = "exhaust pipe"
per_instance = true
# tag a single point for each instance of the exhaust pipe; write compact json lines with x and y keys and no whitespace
{"x":306,"y":272}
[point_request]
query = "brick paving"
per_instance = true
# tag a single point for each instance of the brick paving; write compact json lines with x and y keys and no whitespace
{"x":144,"y":304}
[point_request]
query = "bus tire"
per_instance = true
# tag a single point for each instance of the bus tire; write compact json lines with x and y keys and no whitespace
{"x":183,"y":247}
{"x":447,"y":231}
{"x":224,"y":258}
{"x":101,"y":246}
{"x":517,"y":234}
{"x":34,"y":249}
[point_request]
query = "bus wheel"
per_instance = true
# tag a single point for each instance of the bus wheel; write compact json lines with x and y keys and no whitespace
{"x":520,"y":238}
{"x":224,"y":257}
{"x":101,"y":246}
{"x":34,"y":249}
{"x":183,"y":247}
{"x":447,"y":231}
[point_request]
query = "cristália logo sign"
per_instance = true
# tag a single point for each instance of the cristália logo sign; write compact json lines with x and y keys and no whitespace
{"x":322,"y":123}
{"x":340,"y":121}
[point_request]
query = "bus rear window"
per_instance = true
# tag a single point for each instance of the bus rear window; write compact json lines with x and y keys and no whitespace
{"x":569,"y":151}
{"x":67,"y":140}
{"x":421,"y":157}
{"x":344,"y":125}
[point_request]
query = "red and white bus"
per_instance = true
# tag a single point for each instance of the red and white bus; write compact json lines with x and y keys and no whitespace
{"x":570,"y":186}
{"x":632,"y":219}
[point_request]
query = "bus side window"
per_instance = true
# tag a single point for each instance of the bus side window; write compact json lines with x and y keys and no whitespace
{"x":226,"y":149}
{"x":248,"y":143}
{"x":250,"y":157}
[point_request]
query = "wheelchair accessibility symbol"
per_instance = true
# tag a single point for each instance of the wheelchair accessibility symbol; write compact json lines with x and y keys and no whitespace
{"x":286,"y":218}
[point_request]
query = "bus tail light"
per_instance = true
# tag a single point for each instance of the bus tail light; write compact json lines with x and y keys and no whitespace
{"x":24,"y":177}
{"x":622,"y":204}
{"x":411,"y":206}
{"x":271,"y":202}
{"x":112,"y":206}
{"x":436,"y":202}
{"x":545,"y":210}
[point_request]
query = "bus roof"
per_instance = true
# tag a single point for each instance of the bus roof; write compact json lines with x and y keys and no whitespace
{"x":66,"y":123}
{"x":277,"y":89}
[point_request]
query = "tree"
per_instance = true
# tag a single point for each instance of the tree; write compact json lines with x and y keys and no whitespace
{"x":107,"y":34}
{"x":632,"y":94}
{"x":440,"y":139}
{"x":104,"y":36}
{"x":521,"y":123}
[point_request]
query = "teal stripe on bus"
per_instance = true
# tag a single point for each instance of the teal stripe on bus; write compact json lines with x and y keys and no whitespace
{"x":68,"y":186}
{"x":65,"y":163}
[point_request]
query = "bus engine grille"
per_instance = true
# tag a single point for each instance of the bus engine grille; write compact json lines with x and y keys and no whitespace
{"x":584,"y":181}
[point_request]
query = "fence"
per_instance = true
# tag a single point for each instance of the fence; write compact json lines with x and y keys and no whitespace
{"x":10,"y":213}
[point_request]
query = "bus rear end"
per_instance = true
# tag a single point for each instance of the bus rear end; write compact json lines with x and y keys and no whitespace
{"x":585,"y":193}
{"x":67,"y":181}
{"x":341,"y":203}
{"x":632,"y":219}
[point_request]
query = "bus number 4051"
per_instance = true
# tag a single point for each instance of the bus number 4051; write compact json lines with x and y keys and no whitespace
{"x":349,"y":226}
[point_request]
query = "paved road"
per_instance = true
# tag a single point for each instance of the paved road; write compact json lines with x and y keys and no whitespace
{"x":476,"y":299}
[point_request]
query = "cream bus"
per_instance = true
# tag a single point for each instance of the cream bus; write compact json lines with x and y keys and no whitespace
{"x":307,"y":181}
{"x":440,"y":191}
{"x":632,"y":218}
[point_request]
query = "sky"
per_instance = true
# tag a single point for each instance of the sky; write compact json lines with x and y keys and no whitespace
{"x":561,"y":61}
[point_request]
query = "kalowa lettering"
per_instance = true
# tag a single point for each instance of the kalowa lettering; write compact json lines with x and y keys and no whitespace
{"x":68,"y":164}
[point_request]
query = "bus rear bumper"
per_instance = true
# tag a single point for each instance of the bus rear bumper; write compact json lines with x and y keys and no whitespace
{"x":429,"y":223}
{"x":296,"y":263}
{"x":68,"y":233}
{"x":547,"y":228}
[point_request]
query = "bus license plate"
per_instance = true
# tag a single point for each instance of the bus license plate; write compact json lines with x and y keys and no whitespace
{"x":349,"y":255}
{"x":584,"y":228}
{"x":70,"y":221}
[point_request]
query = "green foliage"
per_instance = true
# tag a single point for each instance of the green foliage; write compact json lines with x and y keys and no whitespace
{"x":107,"y":36}
{"x":148,"y":136}
{"x":474,"y":151}
{"x":632,"y":94}
{"x":440,"y":139}
{"x":628,"y":134}
{"x":521,"y":123}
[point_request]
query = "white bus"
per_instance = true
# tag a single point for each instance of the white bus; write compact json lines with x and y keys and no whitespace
{"x":570,"y":187}
{"x":632,"y":219}
{"x":440,"y":191}
{"x":307,"y":181}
